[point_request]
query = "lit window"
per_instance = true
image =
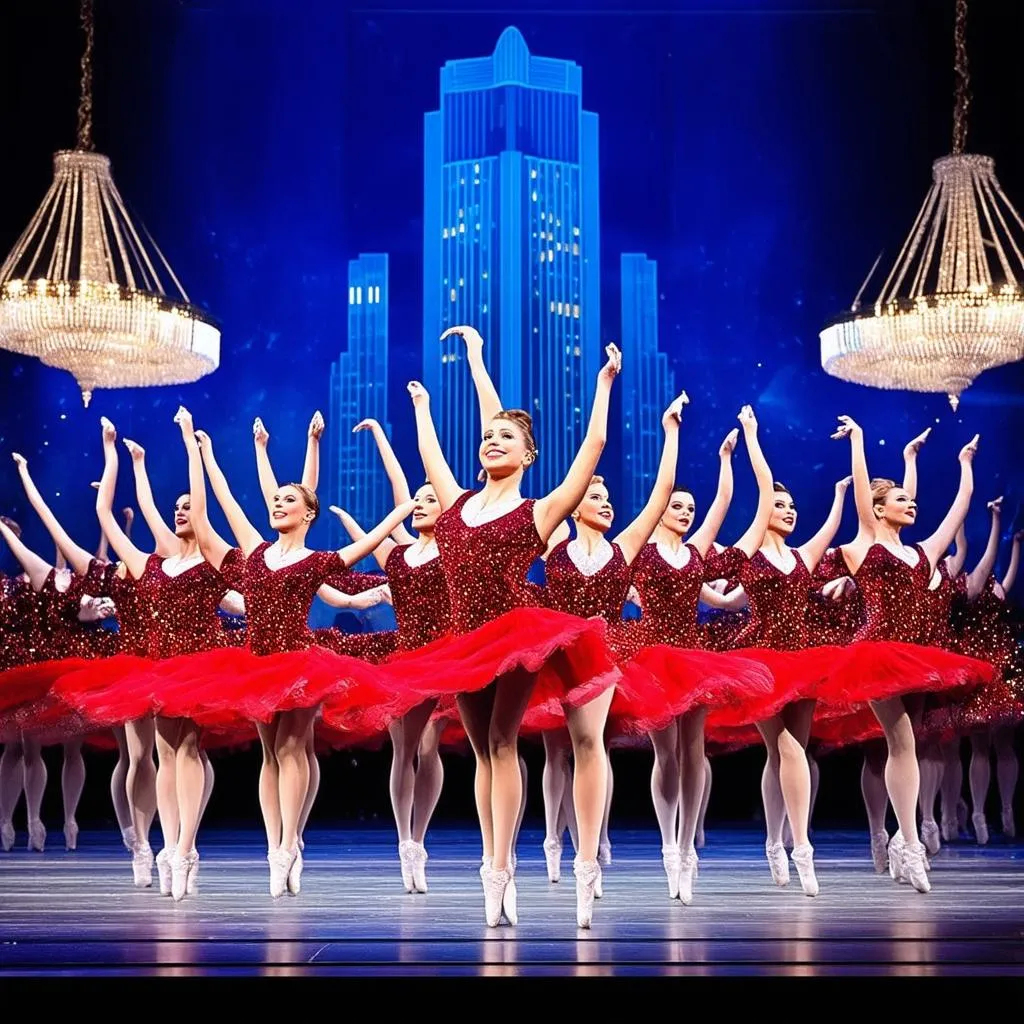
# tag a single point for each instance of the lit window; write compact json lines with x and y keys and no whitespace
{"x":351,"y":295}
{"x":558,"y":223}
{"x":551,"y":255}
{"x":462,"y":181}
{"x":533,"y":195}
{"x":558,"y":246}
{"x":462,"y":212}
{"x":576,"y":351}
{"x":476,"y":181}
{"x":551,"y":217}
{"x":376,"y":292}
{"x":483,"y":309}
{"x":462,"y":228}
{"x":575,"y":248}
{"x":452,"y":294}
{"x":533,"y":173}
{"x":359,"y":295}
{"x":560,"y":308}
{"x":476,"y":168}
{"x":568,"y":309}
{"x":551,"y":236}
{"x":576,"y":232}
{"x":552,"y":305}
{"x":444,"y":232}
{"x":462,"y":281}
{"x":478,"y":226}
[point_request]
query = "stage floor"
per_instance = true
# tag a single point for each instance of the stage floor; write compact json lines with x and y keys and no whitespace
{"x":77,"y":914}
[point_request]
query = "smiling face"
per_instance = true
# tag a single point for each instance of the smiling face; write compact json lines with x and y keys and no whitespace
{"x":183,"y":517}
{"x":678,"y":517}
{"x":783,"y":518}
{"x":595,"y":510}
{"x":426,"y":510}
{"x":893,"y":505}
{"x":505,"y":448}
{"x":292,"y":509}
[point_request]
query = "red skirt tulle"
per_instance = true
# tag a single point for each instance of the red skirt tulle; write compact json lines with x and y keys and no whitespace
{"x":103,"y":694}
{"x":25,"y":698}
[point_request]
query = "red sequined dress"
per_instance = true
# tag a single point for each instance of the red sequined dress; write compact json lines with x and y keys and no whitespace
{"x":497,"y":628}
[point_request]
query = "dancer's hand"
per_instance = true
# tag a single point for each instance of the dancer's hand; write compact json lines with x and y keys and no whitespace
{"x":129,"y":515}
{"x":19,"y":460}
{"x":317,"y":426}
{"x":837,"y":590}
{"x":136,"y":451}
{"x":204,"y":441}
{"x":847,"y":428}
{"x":748,"y":421}
{"x":996,"y":507}
{"x":339,"y":512}
{"x":418,"y":393}
{"x":915,"y":446}
{"x":260,"y":434}
{"x":470,"y":335}
{"x":842,"y":486}
{"x":613,"y":367}
{"x":184,"y":420}
{"x":729,"y":444}
{"x":674,"y":413}
{"x":970,"y":449}
{"x":108,"y":430}
{"x":367,"y":424}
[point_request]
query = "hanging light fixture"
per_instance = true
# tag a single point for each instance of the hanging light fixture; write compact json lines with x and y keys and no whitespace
{"x":85,"y":292}
{"x":953,"y":304}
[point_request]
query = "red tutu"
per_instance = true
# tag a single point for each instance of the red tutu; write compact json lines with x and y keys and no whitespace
{"x":105,"y":693}
{"x":25,"y":698}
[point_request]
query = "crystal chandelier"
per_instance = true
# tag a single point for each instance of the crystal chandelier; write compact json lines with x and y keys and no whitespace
{"x":85,"y":292}
{"x":953,"y":304}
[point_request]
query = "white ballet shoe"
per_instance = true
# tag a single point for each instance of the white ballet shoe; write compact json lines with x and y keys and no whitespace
{"x":36,"y":835}
{"x":7,"y":836}
{"x":880,"y":851}
{"x":687,"y":876}
{"x":553,"y":859}
{"x":604,"y":854}
{"x":180,"y":869}
{"x":163,"y":870}
{"x":419,"y":867}
{"x":914,"y":867}
{"x":406,"y":853}
{"x":599,"y":884}
{"x":1009,"y":825}
{"x":980,"y":828}
{"x":930,"y":837}
{"x":897,"y":848}
{"x":512,"y":862}
{"x":192,"y":882}
{"x":671,"y":861}
{"x":280,"y":865}
{"x":587,"y":873}
{"x":130,"y":838}
{"x":142,"y":867}
{"x":294,"y":882}
{"x":803,"y":858}
{"x":71,"y":835}
{"x":778,"y":862}
{"x":496,"y":896}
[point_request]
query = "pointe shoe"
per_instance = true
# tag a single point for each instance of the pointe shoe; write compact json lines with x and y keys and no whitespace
{"x":36,"y":835}
{"x":192,"y":882}
{"x":687,"y":876}
{"x":419,"y":868}
{"x":914,"y":867}
{"x":880,"y":851}
{"x":980,"y":828}
{"x":302,"y":845}
{"x":553,"y":859}
{"x":142,"y":868}
{"x":181,"y":867}
{"x":163,"y":870}
{"x":496,"y":887}
{"x":599,"y":884}
{"x":512,"y":862}
{"x":604,"y":853}
{"x":778,"y":862}
{"x":930,"y":837}
{"x":587,"y":873}
{"x":961,"y":814}
{"x":295,"y":874}
{"x":896,"y":851}
{"x":280,"y":865}
{"x":1009,"y":825}
{"x":71,"y":834}
{"x":130,"y":838}
{"x":7,"y":836}
{"x":406,"y":853}
{"x":803,"y":858}
{"x":671,"y":861}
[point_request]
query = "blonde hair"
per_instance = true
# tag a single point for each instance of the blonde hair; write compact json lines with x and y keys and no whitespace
{"x":880,"y":488}
{"x":312,"y":502}
{"x":595,"y":479}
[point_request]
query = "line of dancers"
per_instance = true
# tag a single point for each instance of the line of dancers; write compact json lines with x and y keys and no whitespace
{"x":806,"y":649}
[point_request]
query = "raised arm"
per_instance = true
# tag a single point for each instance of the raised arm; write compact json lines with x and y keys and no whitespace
{"x":356,"y":532}
{"x":814,"y":550}
{"x":486,"y":393}
{"x":704,"y":537}
{"x":978,"y":576}
{"x":167,"y":543}
{"x":861,"y":480}
{"x":435,"y":465}
{"x":126,"y":551}
{"x":955,"y":562}
{"x":78,"y":558}
{"x":36,"y":568}
{"x":754,"y":537}
{"x":393,"y":468}
{"x":1011,"y":570}
{"x":910,"y":453}
{"x":549,"y":511}
{"x":369,"y":541}
{"x":265,"y":472}
{"x":937,"y":544}
{"x":311,"y":467}
{"x":638,"y":533}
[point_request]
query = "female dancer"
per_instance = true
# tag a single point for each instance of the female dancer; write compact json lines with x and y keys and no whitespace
{"x":488,"y":539}
{"x":281,"y":679}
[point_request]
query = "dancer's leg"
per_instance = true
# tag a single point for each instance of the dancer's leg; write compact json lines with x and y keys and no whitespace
{"x":705,"y":799}
{"x":557,"y":745}
{"x":141,"y":780}
{"x":270,"y":800}
{"x":475,"y":710}
{"x":902,"y":776}
{"x":35,"y":787}
{"x":72,"y":782}
{"x":665,"y":782}
{"x":952,"y":786}
{"x":405,"y":741}
{"x":771,"y":782}
{"x":119,"y":785}
{"x":1007,"y":773}
{"x":590,"y":777}
{"x":429,"y":779}
{"x":691,"y":736}
{"x":512,"y":695}
{"x":293,"y":767}
{"x":190,"y":783}
{"x":167,"y":730}
{"x":209,"y":778}
{"x":314,"y":785}
{"x":12,"y":784}
{"x":980,"y":775}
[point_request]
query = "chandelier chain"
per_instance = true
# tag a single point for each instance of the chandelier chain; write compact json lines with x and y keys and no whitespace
{"x":85,"y":101}
{"x":963,"y":79}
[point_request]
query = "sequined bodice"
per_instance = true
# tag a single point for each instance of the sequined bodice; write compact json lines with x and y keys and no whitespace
{"x":668,"y":597}
{"x":133,"y":620}
{"x":602,"y":593}
{"x":348,"y":581}
{"x":938,"y":604}
{"x":989,"y":630}
{"x":182,"y":608}
{"x":778,"y":603}
{"x":828,"y":621}
{"x":54,"y":630}
{"x":420,"y":599}
{"x":895,"y":603}
{"x":16,"y":611}
{"x":485,"y":566}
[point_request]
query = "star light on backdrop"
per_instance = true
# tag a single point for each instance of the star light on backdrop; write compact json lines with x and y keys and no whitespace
{"x":953,"y":304}
{"x":84,"y":291}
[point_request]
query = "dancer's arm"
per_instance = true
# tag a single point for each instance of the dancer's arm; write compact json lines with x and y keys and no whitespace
{"x":264,"y":471}
{"x":167,"y":543}
{"x":356,"y":532}
{"x":910,"y":453}
{"x":754,"y":537}
{"x":638,"y":533}
{"x":357,"y":602}
{"x":233,"y":603}
{"x":704,"y":537}
{"x":859,"y":466}
{"x":1011,"y":570}
{"x":393,"y":468}
{"x":311,"y":467}
{"x":562,"y":532}
{"x":360,"y":548}
{"x":78,"y":558}
{"x":134,"y":559}
{"x":487,"y":395}
{"x":734,"y":600}
{"x":814,"y":550}
{"x":435,"y":465}
{"x":955,"y":562}
{"x":549,"y":511}
{"x":978,"y":577}
{"x":938,"y":543}
{"x":36,"y":568}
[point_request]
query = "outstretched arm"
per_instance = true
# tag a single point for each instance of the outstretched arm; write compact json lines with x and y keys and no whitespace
{"x":704,"y":537}
{"x":393,"y":468}
{"x":486,"y":393}
{"x":978,"y":577}
{"x":861,"y":480}
{"x":910,"y":453}
{"x":813,"y":551}
{"x":955,"y":561}
{"x":78,"y":558}
{"x":549,"y":511}
{"x":435,"y":465}
{"x":265,"y":472}
{"x":126,"y":551}
{"x":311,"y":467}
{"x":938,"y":543}
{"x":638,"y":533}
{"x":357,"y":602}
{"x":369,"y":541}
{"x":356,"y":532}
{"x":36,"y":568}
{"x":1011,"y":571}
{"x":166,"y":542}
{"x":754,"y":537}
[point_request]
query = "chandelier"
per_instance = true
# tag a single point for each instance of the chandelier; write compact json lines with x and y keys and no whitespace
{"x":953,"y":304}
{"x":85,"y":292}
